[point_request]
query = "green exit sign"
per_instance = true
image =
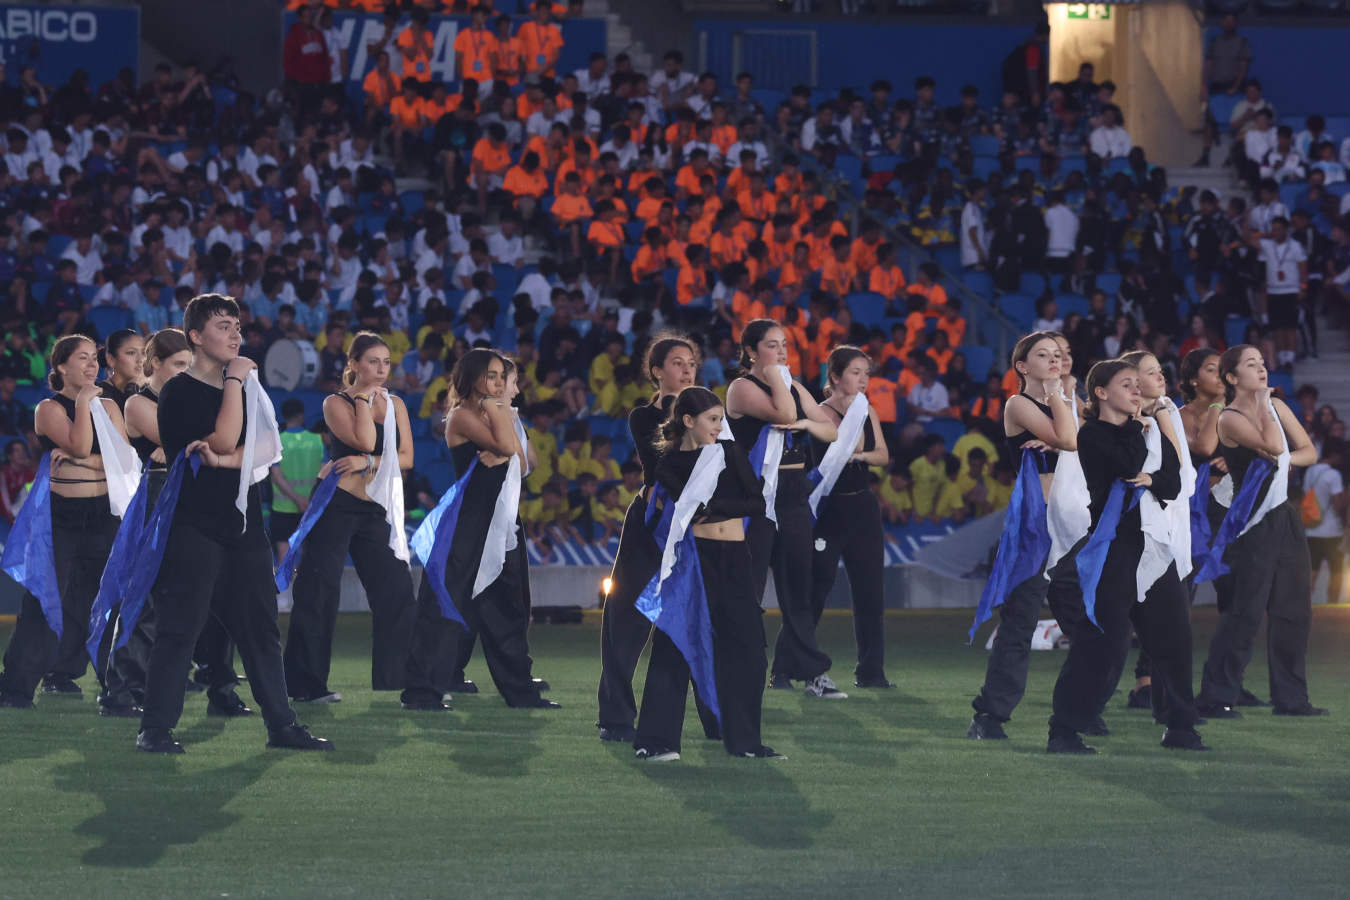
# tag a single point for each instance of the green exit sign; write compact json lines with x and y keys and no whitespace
{"x":1097,"y":12}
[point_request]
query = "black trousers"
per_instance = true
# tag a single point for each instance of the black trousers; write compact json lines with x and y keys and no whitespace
{"x":355,"y":526}
{"x":739,"y":659}
{"x":1271,"y":576}
{"x":1097,"y":653}
{"x":1005,"y":675}
{"x":624,"y":630}
{"x":850,"y":527}
{"x":787,"y":550}
{"x":1331,"y":551}
{"x":468,"y":637}
{"x":83,"y":529}
{"x":123,"y":670}
{"x":231,"y":576}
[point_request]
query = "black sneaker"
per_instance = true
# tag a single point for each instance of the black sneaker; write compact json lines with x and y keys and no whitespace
{"x":762,"y":752}
{"x":1183,"y":739}
{"x":985,"y":727}
{"x":14,"y":701}
{"x":227,"y":707}
{"x":618,"y":734}
{"x":193,"y":687}
{"x":464,"y":687}
{"x":537,"y":703}
{"x":1097,"y":729}
{"x":540,"y":683}
{"x":119,"y":711}
{"x":880,"y":683}
{"x":1068,"y":742}
{"x":1307,"y":709}
{"x":780,"y":682}
{"x":428,"y":705}
{"x":155,"y":741}
{"x":657,"y":754}
{"x":1140,"y":698}
{"x":1247,"y":698}
{"x":296,"y":737}
{"x":1217,"y":711}
{"x":61,"y":687}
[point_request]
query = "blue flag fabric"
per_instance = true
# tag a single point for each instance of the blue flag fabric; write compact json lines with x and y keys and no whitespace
{"x":432,"y":539}
{"x":1024,"y":544}
{"x":149,"y":554}
{"x":1200,"y":533}
{"x":1239,"y":512}
{"x":1092,"y":557}
{"x":120,"y":559}
{"x":318,"y":502}
{"x":679,"y":606}
{"x":756,"y":462}
{"x":28,"y":556}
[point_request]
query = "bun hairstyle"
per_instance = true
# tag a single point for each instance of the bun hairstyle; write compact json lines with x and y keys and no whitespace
{"x":660,"y":348}
{"x":163,"y":344}
{"x":113,"y":346}
{"x":841,"y":358}
{"x":1023,"y":348}
{"x":468,"y":369}
{"x":1228,"y":363}
{"x":62,"y":350}
{"x":754,"y":332}
{"x":1099,"y":376}
{"x":1190,"y":370}
{"x":363,"y":341}
{"x":692,"y":401}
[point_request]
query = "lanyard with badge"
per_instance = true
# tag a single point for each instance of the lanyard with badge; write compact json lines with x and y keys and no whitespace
{"x":478,"y":44}
{"x":1280,"y":258}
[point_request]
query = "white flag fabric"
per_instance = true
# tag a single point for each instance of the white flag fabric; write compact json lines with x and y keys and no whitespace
{"x":121,"y":465}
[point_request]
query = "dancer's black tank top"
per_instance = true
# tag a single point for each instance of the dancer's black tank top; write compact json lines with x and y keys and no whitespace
{"x":746,"y":430}
{"x":1016,"y":441}
{"x":340,"y":449}
{"x":69,"y":406}
{"x":854,"y":476}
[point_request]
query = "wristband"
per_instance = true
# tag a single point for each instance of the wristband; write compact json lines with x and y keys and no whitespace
{"x":235,"y":378}
{"x":365,"y":397}
{"x":1216,"y":406}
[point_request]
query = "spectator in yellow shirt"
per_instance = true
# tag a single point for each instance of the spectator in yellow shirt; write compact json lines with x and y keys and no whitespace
{"x":609,"y":511}
{"x":975,"y":483}
{"x":602,"y":381}
{"x":929,"y":472}
{"x":897,"y":496}
{"x":631,"y":473}
{"x":1000,"y":492}
{"x":576,"y":452}
{"x":950,"y":502}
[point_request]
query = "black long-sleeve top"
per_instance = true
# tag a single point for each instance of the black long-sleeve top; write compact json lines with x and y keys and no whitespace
{"x":738,"y":493}
{"x":644,"y":423}
{"x":1109,"y":453}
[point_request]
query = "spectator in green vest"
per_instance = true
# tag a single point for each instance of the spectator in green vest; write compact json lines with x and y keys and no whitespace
{"x":295,"y":476}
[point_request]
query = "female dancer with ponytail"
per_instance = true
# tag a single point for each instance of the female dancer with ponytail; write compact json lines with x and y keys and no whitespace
{"x":768,"y":412}
{"x":848,"y":518}
{"x":482,"y":443}
{"x":1116,"y":566}
{"x":1260,"y":438}
{"x":124,"y":357}
{"x":71,"y":492}
{"x":1038,"y":418}
{"x":720,"y":587}
{"x":358,"y":522}
{"x":671,"y":364}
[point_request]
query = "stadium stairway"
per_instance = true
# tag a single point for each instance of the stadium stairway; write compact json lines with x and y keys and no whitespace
{"x":1217,"y":177}
{"x":1331,"y":370}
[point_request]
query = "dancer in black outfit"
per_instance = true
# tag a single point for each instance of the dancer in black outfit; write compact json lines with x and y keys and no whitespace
{"x":124,"y":357}
{"x":738,"y":644}
{"x":478,"y":428}
{"x":762,"y":398}
{"x":848,"y":522}
{"x":671,"y":364}
{"x":1269,"y":562}
{"x":1039,"y":417}
{"x":356,"y":524}
{"x":215,"y":560}
{"x":1112,"y":448}
{"x":83,"y":528}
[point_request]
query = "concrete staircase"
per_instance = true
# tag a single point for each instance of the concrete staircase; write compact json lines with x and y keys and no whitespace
{"x":619,"y":36}
{"x":1220,"y":179}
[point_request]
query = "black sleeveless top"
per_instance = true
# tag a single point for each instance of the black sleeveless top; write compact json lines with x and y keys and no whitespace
{"x":738,"y":492}
{"x":1240,"y":459}
{"x":69,"y":406}
{"x":746,"y":429}
{"x":340,"y":449}
{"x":143,"y":445}
{"x":463,"y":456}
{"x":644,"y":423}
{"x":853,"y":478}
{"x":1016,"y":441}
{"x":116,"y":394}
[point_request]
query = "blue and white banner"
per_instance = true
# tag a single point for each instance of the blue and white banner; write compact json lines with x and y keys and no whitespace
{"x":57,"y":40}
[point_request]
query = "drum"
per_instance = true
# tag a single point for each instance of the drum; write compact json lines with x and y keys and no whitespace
{"x":291,"y":365}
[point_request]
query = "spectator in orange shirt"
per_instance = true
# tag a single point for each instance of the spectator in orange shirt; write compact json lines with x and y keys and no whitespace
{"x":818,"y":239}
{"x":788,"y":182}
{"x":406,"y":110}
{"x":778,"y":238}
{"x":649,"y":206}
{"x":941,"y":352}
{"x":506,"y":60}
{"x":838,"y":276}
{"x":606,"y":189}
{"x":416,"y":43}
{"x":825,"y":330}
{"x":650,"y":261}
{"x":988,"y":407}
{"x":682,"y":131}
{"x":793,"y":321}
{"x":794,"y":273}
{"x":723,"y":133}
{"x":475,"y":48}
{"x":927,"y":287}
{"x":491,"y":159}
{"x":606,"y":237}
{"x":886,"y":278}
{"x":755,"y":202}
{"x":527,"y":183}
{"x":687,"y":182}
{"x":894,"y":353}
{"x":442,"y":102}
{"x":571,"y":208}
{"x":865,"y":249}
{"x":677,"y":243}
{"x":531,"y":100}
{"x":380,"y":86}
{"x":734,"y":277}
{"x":540,"y":41}
{"x":757,"y":259}
{"x":1012,"y":383}
{"x":951,"y":324}
{"x":881,"y":394}
{"x":700,"y":231}
{"x":691,"y":287}
{"x":579,"y":165}
{"x":725,"y":246}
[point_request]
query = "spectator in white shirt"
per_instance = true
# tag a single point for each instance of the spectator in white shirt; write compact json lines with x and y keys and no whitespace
{"x":433,"y":289}
{"x":19,"y":154}
{"x":1283,"y":163}
{"x":594,"y":79}
{"x":1110,"y":140}
{"x":820,"y":130}
{"x":88,"y":262}
{"x":704,"y":96}
{"x":225,"y":231}
{"x":537,"y":285}
{"x":346,"y":267}
{"x":929,"y":398}
{"x":1244,"y":113}
{"x":1326,"y":163}
{"x":542,"y":120}
{"x":506,"y":246}
{"x":621,"y":145}
{"x":747,"y":138}
{"x":1263,"y":214}
{"x":353,"y":153}
{"x":974,"y":240}
{"x":191,"y":155}
{"x":1325,"y":537}
{"x":1314,"y":133}
{"x":342,"y":193}
{"x":1061,"y":227}
{"x":672,"y":86}
{"x":1261,"y":138}
{"x":475,"y":261}
{"x":1286,"y":275}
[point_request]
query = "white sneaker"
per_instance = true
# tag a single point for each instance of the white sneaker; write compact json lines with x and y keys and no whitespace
{"x":821,"y":686}
{"x":657,"y":756}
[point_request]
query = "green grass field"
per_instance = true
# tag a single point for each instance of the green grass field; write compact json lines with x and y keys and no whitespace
{"x":881,"y":795}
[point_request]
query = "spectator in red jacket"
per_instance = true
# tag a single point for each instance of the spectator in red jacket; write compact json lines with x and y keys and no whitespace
{"x":305,"y":60}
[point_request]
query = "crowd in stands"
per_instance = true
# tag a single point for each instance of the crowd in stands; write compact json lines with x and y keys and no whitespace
{"x":575,"y":214}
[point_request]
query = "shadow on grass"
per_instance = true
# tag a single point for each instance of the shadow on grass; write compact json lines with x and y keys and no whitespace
{"x":843,"y":736}
{"x":485,"y":737}
{"x":150,"y":804}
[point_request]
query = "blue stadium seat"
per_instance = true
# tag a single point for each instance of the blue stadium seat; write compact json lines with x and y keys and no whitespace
{"x":1072,"y":303}
{"x":850,"y":167}
{"x":1289,"y":194}
{"x":1235,"y":329}
{"x":1110,"y":283}
{"x":1221,"y":105}
{"x":1283,"y":381}
{"x":413,"y":202}
{"x":984,"y":145}
{"x":40,"y":289}
{"x":867,"y":307}
{"x":107,"y":319}
{"x":1020,"y":308}
{"x":1032,"y":283}
{"x":883,"y":163}
{"x":950,"y":430}
{"x":948,"y":258}
{"x":57,"y":244}
{"x":770,"y":98}
{"x":428,"y":448}
{"x":979,"y":283}
{"x":979,"y":359}
{"x":1336,"y":125}
{"x":506,"y":279}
